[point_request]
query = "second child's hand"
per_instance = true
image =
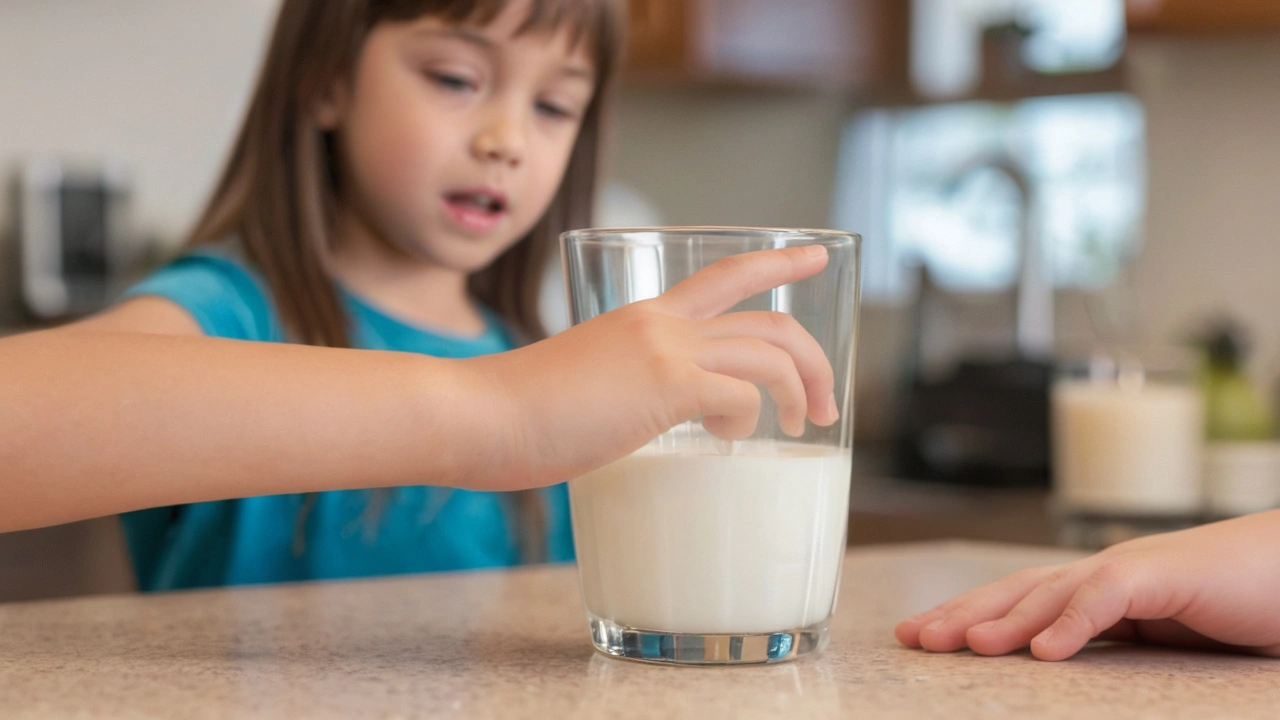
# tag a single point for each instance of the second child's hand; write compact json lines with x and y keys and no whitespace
{"x":605,"y":387}
{"x":1211,"y":587}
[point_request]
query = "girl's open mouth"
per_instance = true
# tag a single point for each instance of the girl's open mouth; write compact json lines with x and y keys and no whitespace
{"x":477,"y":211}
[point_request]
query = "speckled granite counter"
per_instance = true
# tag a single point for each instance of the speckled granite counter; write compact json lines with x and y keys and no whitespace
{"x":515,"y":644}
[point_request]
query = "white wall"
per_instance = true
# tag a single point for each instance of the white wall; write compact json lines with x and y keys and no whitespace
{"x":1213,"y":107}
{"x":729,"y":156}
{"x":159,"y":85}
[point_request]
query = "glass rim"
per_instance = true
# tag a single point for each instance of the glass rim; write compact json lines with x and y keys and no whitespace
{"x":710,"y":233}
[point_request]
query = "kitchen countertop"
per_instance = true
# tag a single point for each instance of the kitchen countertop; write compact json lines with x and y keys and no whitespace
{"x":515,"y":644}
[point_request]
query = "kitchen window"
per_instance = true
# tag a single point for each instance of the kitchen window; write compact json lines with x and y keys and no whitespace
{"x":924,"y":187}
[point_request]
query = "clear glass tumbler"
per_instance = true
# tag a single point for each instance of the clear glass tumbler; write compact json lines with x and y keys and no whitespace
{"x":697,"y":550}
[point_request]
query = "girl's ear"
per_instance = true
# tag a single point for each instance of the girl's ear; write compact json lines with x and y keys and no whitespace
{"x":330,"y":108}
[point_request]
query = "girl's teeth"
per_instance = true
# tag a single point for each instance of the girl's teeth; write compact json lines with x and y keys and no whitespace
{"x":484,"y":202}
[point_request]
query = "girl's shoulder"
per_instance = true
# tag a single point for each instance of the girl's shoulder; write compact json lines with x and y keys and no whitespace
{"x":220,"y":289}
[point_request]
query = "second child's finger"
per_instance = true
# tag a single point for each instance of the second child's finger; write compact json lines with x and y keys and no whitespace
{"x":1103,"y":600}
{"x":943,"y":628}
{"x":1034,"y":613}
{"x":727,"y":282}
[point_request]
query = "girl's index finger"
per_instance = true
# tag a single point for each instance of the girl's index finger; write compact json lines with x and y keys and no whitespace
{"x":727,"y":282}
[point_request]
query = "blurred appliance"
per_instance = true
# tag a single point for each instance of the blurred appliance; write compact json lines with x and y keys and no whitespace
{"x":982,"y":417}
{"x":71,"y":235}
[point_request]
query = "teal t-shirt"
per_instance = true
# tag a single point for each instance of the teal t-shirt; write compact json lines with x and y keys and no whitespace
{"x":337,"y":534}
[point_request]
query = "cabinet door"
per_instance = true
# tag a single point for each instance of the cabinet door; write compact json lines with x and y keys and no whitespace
{"x":1203,"y":16}
{"x":658,"y":37}
{"x":799,"y":40}
{"x":846,"y":43}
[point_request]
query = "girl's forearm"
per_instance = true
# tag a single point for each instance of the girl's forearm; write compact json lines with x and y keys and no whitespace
{"x":95,"y":423}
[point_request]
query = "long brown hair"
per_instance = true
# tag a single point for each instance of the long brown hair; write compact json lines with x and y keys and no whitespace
{"x":278,"y":195}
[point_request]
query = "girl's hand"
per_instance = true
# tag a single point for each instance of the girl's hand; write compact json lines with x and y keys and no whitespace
{"x":1210,"y":587}
{"x":605,"y":387}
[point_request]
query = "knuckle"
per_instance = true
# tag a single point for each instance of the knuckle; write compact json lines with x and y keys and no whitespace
{"x":1039,"y":574}
{"x":1108,"y":574}
{"x":778,"y":365}
{"x":668,"y":369}
{"x":652,"y":334}
{"x":781,"y":323}
{"x":1060,"y":575}
{"x":1072,"y":615}
{"x":1019,"y":614}
{"x":730,"y":264}
{"x":959,"y":615}
{"x":644,"y":308}
{"x":646,"y":327}
{"x":748,"y":397}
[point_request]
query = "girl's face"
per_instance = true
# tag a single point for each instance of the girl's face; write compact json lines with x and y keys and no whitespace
{"x":453,"y":139}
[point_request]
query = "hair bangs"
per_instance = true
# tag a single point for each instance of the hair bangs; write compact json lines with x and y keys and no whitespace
{"x":590,"y":21}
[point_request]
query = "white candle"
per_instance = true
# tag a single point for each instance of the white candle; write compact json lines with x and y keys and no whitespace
{"x":1127,"y":447}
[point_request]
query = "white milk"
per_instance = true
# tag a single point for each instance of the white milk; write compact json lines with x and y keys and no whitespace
{"x":714,"y":544}
{"x":1127,"y":449}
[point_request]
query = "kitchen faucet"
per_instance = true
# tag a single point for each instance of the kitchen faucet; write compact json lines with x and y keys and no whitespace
{"x":1035,"y":322}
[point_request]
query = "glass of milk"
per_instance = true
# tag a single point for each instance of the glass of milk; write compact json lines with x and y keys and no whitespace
{"x":698,"y":550}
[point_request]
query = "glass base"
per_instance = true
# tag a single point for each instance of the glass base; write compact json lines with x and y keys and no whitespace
{"x":694,"y":649}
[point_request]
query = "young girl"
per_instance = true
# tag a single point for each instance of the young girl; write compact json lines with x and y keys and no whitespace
{"x":401,"y":176}
{"x":402,"y":173}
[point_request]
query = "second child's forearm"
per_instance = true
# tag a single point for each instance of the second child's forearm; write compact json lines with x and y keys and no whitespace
{"x":96,"y":423}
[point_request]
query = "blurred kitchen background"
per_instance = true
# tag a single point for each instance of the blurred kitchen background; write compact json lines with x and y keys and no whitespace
{"x":1033,"y":179}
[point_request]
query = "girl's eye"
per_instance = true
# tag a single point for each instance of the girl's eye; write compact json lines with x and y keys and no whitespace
{"x":555,"y":112}
{"x":450,"y":82}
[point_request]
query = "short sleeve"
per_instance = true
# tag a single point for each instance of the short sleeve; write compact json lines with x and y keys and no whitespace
{"x":223,"y":296}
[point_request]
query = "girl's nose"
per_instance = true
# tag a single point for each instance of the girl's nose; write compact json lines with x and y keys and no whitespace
{"x":500,"y":139}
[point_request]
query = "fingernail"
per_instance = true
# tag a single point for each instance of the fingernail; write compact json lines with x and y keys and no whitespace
{"x":814,"y":250}
{"x":1045,"y":636}
{"x":797,"y":428}
{"x":935,"y":625}
{"x":833,"y":412}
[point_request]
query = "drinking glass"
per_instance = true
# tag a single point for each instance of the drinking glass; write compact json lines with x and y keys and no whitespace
{"x":703,"y":551}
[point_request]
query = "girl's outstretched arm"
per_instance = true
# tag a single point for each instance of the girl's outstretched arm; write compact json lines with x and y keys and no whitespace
{"x":96,"y":420}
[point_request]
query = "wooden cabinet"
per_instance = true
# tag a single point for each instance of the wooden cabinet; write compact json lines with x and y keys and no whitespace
{"x":839,"y":43}
{"x":658,"y":42}
{"x":1202,"y":16}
